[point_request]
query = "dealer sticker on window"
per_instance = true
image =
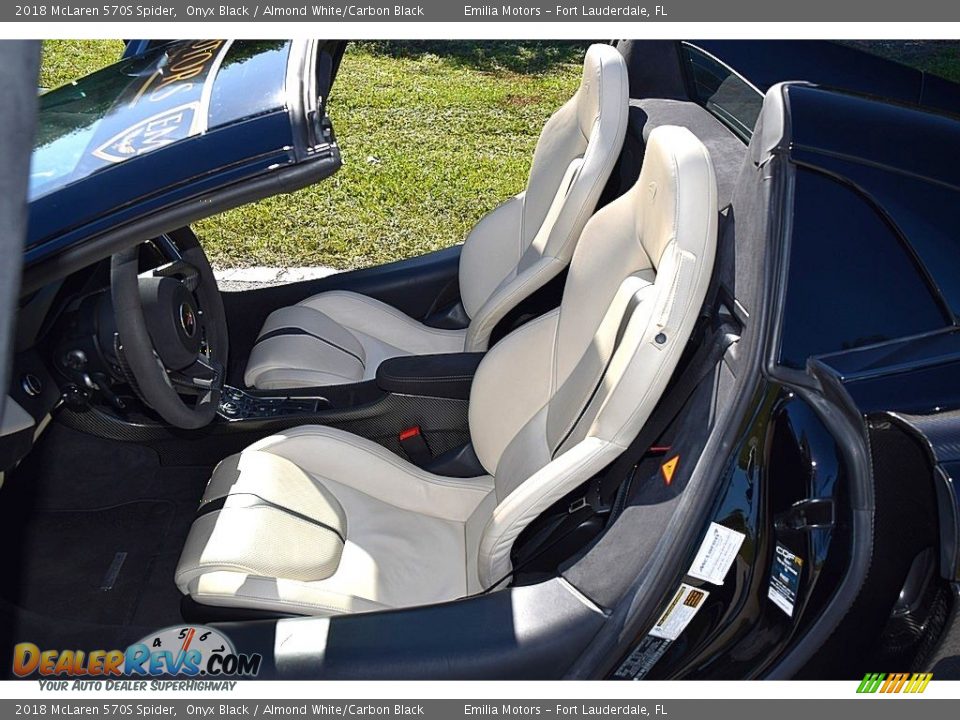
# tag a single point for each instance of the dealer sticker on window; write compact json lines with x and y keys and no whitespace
{"x":717,"y":552}
{"x":785,"y":579}
{"x":681,"y":610}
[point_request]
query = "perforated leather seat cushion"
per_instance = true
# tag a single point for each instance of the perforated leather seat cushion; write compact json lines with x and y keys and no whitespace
{"x":407,"y":533}
{"x":262,"y":513}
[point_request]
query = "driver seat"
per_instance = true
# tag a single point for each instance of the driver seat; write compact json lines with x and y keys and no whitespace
{"x":339,"y":337}
{"x":318,"y":521}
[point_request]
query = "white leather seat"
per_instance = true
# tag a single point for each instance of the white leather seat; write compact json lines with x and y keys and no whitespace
{"x":341,"y":337}
{"x":315,"y":520}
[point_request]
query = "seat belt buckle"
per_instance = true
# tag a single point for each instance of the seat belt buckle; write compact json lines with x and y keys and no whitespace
{"x":592,"y":499}
{"x":579,"y":504}
{"x":415,"y":446}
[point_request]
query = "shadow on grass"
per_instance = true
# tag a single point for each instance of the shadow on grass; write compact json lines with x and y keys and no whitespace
{"x":522,"y":57}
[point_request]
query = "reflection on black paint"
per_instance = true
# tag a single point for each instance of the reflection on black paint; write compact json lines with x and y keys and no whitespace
{"x":850,"y":282}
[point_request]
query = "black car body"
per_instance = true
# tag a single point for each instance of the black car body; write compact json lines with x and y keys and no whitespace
{"x":828,"y":435}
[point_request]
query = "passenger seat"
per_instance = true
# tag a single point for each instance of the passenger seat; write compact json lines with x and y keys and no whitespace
{"x":341,"y":337}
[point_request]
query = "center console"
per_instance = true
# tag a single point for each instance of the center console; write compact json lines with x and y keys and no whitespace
{"x":448,"y":376}
{"x":235,"y":404}
{"x":417,"y":407}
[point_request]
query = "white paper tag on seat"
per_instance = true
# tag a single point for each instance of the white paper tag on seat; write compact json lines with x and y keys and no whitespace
{"x":717,"y":552}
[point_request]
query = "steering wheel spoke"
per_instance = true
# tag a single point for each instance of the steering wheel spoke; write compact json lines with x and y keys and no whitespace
{"x":181,"y":262}
{"x":204,"y":376}
{"x":185,"y":272}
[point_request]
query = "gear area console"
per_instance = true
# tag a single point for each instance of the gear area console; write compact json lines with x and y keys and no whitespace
{"x":416,"y":407}
{"x":235,"y":404}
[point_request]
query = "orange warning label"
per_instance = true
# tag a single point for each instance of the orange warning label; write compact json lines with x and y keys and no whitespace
{"x":669,"y":468}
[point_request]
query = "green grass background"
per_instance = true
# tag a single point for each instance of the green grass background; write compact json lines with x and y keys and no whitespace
{"x":433,"y":135}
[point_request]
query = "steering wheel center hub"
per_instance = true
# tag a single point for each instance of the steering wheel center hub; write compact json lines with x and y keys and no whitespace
{"x":173,"y":320}
{"x":188,"y":319}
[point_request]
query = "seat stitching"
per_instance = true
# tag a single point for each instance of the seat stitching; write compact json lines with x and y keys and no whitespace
{"x":293,"y":331}
{"x":382,"y":307}
{"x":272,"y":506}
{"x":625,"y":321}
{"x":425,"y":378}
{"x":606,"y":162}
{"x":501,"y":538}
{"x":205,"y":509}
{"x":686,"y":310}
{"x":271,"y":373}
{"x":494,"y":315}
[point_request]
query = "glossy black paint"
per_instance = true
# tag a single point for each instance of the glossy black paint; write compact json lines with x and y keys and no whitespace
{"x":767,"y":62}
{"x":874,"y":252}
{"x":930,"y":388}
{"x":784,"y":456}
{"x":662,"y":69}
{"x":846,"y":263}
{"x":918,"y":375}
{"x":901,"y":159}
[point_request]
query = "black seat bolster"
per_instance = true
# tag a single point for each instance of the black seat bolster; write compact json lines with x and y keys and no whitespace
{"x":447,"y":375}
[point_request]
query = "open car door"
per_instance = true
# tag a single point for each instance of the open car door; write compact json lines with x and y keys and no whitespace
{"x":158,"y":140}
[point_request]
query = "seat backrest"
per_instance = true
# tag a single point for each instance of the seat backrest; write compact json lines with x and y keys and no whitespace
{"x":523,"y":243}
{"x":560,"y":398}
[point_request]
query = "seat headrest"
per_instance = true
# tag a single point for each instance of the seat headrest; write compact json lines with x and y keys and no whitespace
{"x":603,"y":67}
{"x":675,"y":184}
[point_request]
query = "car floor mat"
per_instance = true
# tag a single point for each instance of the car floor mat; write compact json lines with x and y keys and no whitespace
{"x":91,"y":565}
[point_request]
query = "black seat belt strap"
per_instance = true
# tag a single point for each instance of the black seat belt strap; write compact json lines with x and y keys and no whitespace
{"x":601,"y":496}
{"x":705,"y":359}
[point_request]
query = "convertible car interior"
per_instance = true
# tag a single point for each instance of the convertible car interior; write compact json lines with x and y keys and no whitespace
{"x":386,"y":438}
{"x":480,"y":447}
{"x":319,"y":520}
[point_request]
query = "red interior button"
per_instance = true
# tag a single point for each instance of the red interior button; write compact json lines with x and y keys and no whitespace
{"x":409,"y":432}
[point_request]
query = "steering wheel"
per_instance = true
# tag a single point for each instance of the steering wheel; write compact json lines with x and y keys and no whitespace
{"x":172,"y":329}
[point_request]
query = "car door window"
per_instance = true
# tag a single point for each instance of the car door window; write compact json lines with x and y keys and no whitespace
{"x":722,"y":91}
{"x":851,"y":282}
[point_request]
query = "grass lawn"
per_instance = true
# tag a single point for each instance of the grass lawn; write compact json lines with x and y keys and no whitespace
{"x":433,"y":134}
{"x":940,"y":57}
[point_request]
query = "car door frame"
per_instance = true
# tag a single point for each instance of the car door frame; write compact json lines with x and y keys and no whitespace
{"x":19,"y":70}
